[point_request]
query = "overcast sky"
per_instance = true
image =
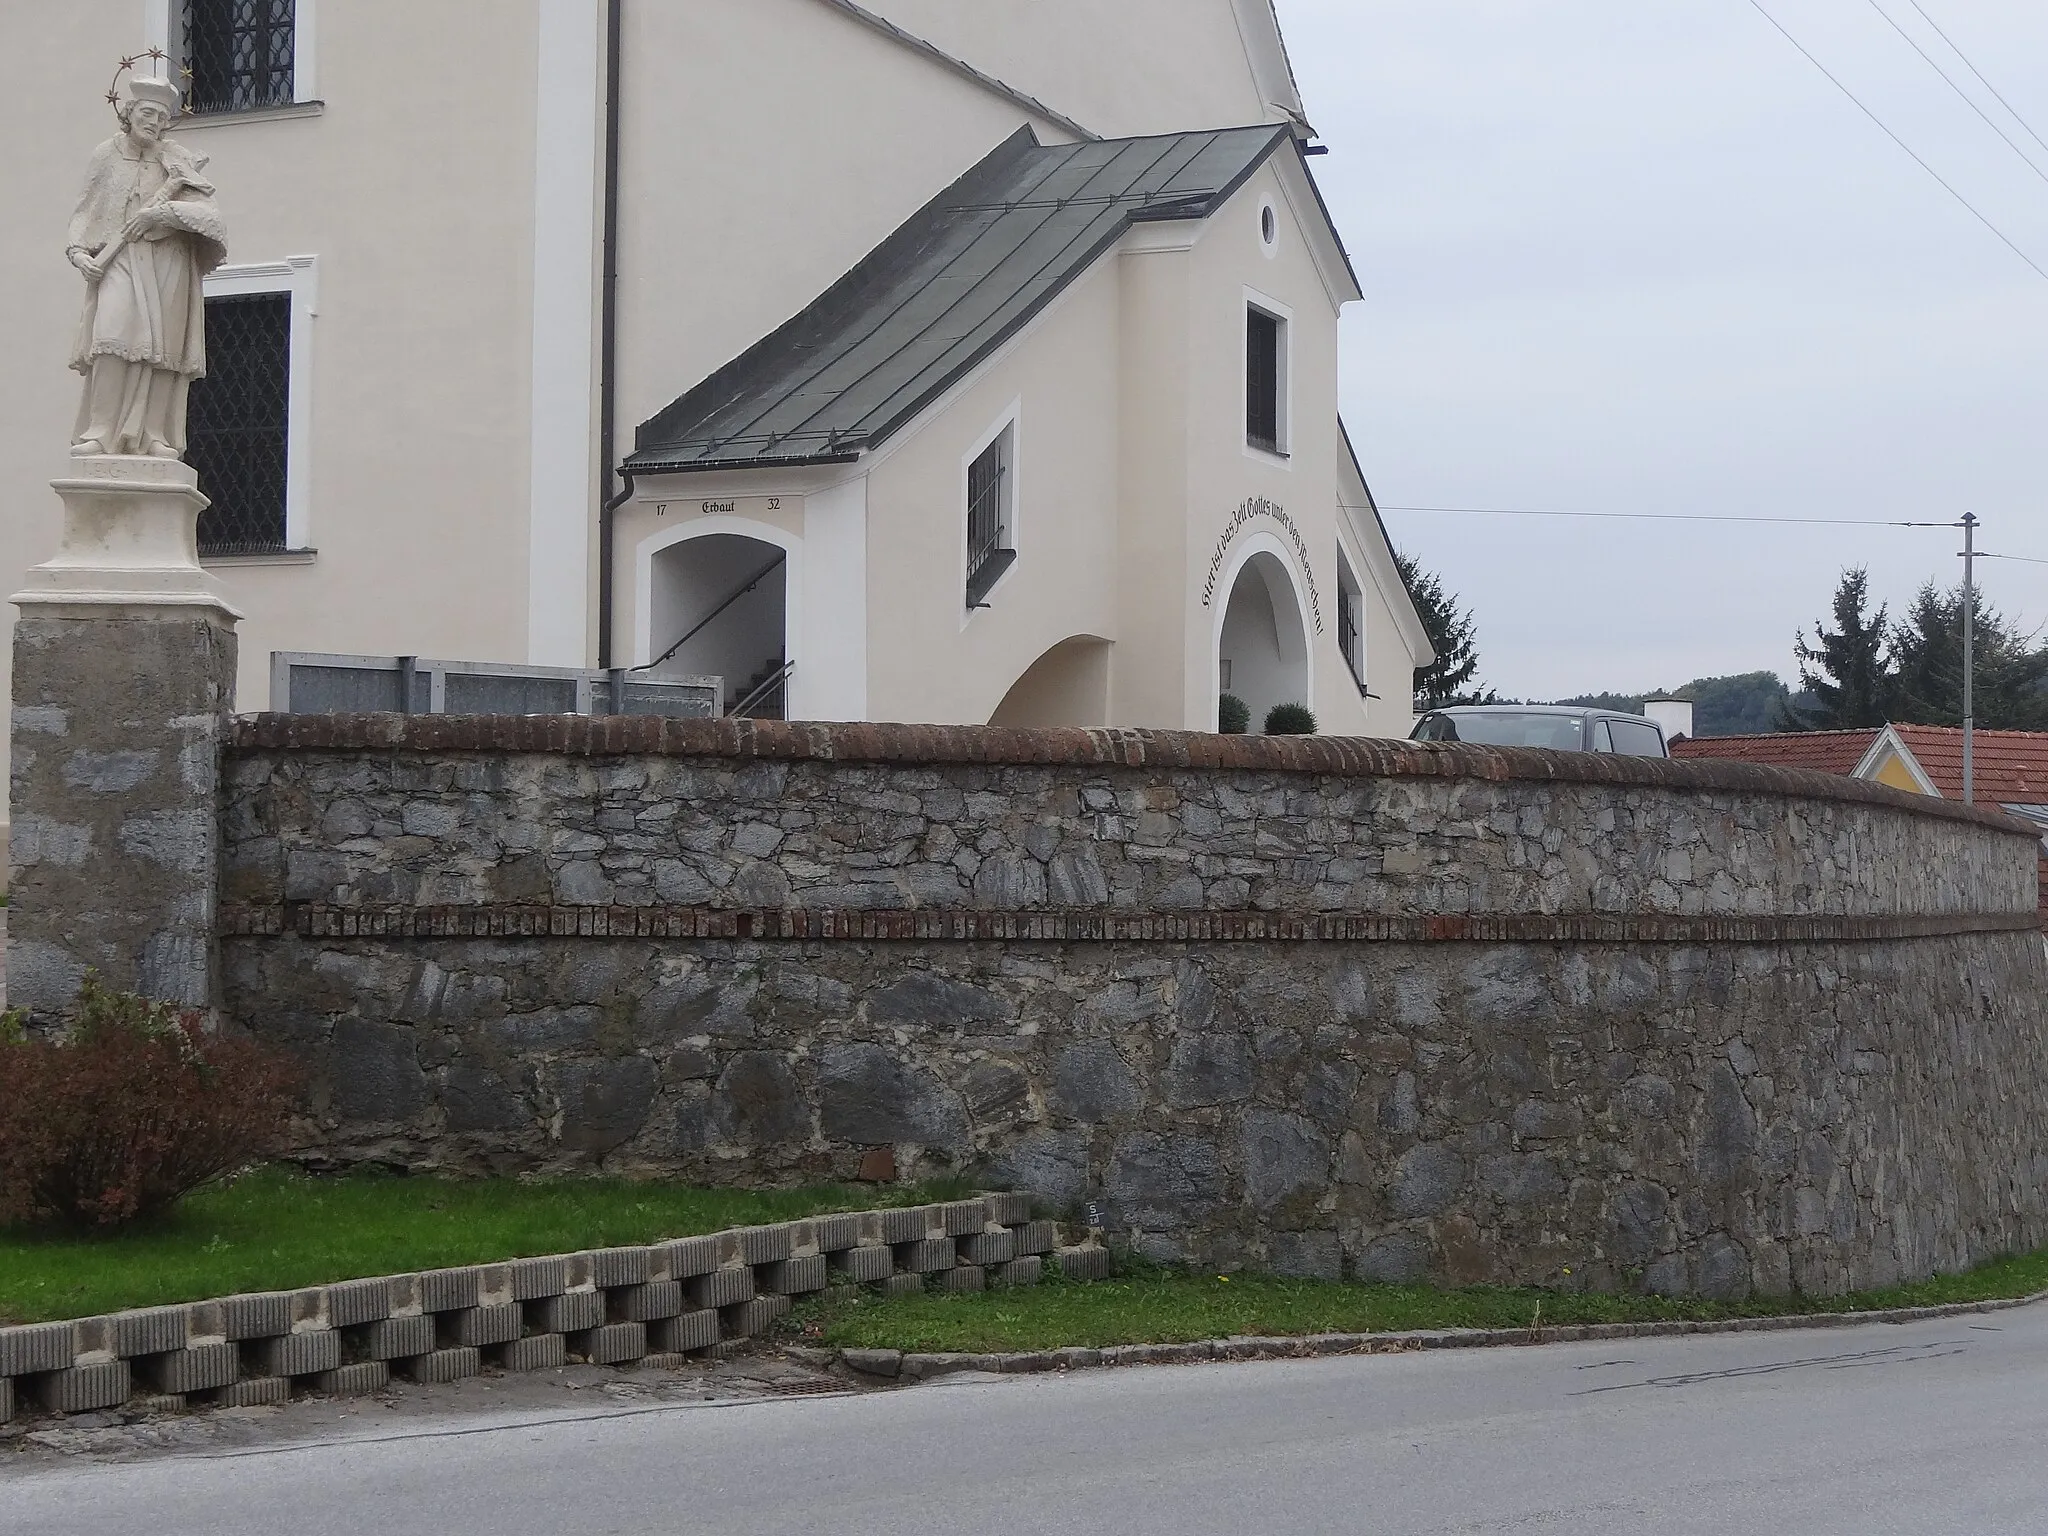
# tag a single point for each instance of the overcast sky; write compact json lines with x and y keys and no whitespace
{"x":1630,"y":257}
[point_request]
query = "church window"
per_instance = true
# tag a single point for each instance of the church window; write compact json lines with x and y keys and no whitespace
{"x":1265,"y":418}
{"x":239,"y":431}
{"x":991,"y":531}
{"x":1351,"y":620}
{"x":242,"y":54}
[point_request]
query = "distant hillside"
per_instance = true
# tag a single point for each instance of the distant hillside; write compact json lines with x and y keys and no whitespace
{"x":1749,"y":704}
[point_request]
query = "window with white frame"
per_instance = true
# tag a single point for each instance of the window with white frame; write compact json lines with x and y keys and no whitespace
{"x":250,"y":414}
{"x":240,"y":55}
{"x":1351,"y":620}
{"x":1265,"y":386}
{"x":991,"y":515}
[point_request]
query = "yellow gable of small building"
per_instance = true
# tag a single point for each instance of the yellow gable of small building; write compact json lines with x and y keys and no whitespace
{"x":1893,"y":771}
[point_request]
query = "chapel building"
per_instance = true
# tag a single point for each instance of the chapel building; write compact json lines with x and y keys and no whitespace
{"x":911,"y":360}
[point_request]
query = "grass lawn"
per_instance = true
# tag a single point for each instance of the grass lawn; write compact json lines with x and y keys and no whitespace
{"x":278,"y":1230}
{"x":1162,"y":1306}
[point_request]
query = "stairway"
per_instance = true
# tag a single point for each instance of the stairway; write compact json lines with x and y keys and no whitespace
{"x":770,"y":705}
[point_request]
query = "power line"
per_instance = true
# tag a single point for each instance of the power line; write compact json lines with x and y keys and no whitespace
{"x":1657,"y":517}
{"x":1686,"y":517}
{"x":1958,"y":52}
{"x":1930,"y":170}
{"x":1968,"y":100}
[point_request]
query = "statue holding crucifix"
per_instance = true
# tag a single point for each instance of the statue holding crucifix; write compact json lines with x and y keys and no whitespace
{"x":126,"y":646}
{"x":146,"y":233}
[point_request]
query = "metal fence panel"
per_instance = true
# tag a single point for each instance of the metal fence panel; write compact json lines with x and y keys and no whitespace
{"x":304,"y":683}
{"x":485,"y":693}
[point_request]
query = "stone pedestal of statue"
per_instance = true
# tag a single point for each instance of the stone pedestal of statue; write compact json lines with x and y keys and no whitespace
{"x":124,"y":686}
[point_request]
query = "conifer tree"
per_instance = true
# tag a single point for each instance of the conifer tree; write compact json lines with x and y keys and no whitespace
{"x":1452,"y":635}
{"x":1846,"y":669}
{"x":2011,"y":672}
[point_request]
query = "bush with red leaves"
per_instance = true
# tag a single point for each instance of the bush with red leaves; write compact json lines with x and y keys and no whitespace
{"x":136,"y":1106}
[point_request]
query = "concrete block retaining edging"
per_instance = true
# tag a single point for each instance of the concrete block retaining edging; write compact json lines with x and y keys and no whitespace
{"x":899,"y":1365}
{"x":607,"y":1306}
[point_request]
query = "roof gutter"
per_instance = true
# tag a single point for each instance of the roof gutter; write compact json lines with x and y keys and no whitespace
{"x":608,"y":326}
{"x":712,"y":466}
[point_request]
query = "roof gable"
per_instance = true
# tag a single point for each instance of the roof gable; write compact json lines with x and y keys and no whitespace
{"x":2011,"y":767}
{"x":1265,"y":46}
{"x":940,"y":295}
{"x":887,"y":28}
{"x":1891,"y":761}
{"x":1120,"y":67}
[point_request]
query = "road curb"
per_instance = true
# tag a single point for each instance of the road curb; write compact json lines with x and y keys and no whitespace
{"x":915,"y":1366}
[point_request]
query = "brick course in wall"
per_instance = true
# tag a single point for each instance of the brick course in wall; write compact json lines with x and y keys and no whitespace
{"x":1378,"y":1008}
{"x":591,"y":736}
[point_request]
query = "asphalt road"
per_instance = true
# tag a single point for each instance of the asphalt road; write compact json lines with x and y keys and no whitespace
{"x":1926,"y":1428}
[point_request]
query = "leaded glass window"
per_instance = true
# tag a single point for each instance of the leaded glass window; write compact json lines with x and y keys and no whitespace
{"x":239,"y":428}
{"x":239,"y":53}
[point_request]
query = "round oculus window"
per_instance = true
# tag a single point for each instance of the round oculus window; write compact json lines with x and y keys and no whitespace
{"x":1269,"y":227}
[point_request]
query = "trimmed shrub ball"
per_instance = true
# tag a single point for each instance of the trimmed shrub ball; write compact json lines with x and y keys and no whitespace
{"x":1290,"y":720}
{"x":1233,"y":715}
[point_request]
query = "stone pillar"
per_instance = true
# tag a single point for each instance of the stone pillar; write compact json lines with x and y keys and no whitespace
{"x":124,"y":685}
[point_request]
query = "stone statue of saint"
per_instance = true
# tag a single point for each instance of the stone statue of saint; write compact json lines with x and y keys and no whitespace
{"x":145,"y":235}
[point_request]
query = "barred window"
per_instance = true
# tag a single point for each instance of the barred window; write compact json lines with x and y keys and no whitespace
{"x":1265,"y":392}
{"x":240,"y":53}
{"x":1351,"y":621}
{"x":238,"y":434}
{"x":991,"y":544}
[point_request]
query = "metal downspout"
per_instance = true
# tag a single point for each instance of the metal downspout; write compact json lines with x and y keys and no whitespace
{"x":607,"y":381}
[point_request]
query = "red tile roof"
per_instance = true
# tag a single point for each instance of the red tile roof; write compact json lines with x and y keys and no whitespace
{"x":2012,"y":766}
{"x":1822,"y":751}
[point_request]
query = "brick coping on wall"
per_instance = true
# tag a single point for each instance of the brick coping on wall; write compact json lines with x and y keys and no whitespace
{"x":611,"y":1306}
{"x":527,"y":920}
{"x":1065,"y":747}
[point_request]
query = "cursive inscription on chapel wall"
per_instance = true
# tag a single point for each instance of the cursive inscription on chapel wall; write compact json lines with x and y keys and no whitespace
{"x":1250,"y":512}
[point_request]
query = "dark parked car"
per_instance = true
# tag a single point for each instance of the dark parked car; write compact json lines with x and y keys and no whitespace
{"x":1557,"y":726}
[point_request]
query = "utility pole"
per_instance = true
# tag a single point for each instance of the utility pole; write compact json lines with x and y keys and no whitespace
{"x":1969,"y":658}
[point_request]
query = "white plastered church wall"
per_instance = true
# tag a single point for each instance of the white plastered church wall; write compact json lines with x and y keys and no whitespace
{"x":931,"y":658}
{"x":1236,"y":494}
{"x":418,"y":436}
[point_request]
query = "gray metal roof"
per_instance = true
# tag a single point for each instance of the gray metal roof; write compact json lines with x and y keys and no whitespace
{"x":937,"y":297}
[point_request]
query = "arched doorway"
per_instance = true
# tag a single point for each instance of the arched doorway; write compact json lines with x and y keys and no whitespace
{"x":718,"y":606}
{"x":1262,"y":648}
{"x":1068,"y":685}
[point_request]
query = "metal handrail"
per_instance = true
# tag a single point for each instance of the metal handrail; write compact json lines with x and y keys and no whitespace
{"x":759,"y":693}
{"x":769,"y":570}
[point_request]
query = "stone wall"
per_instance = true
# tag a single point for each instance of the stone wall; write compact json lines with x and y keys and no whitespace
{"x":1322,"y":1006}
